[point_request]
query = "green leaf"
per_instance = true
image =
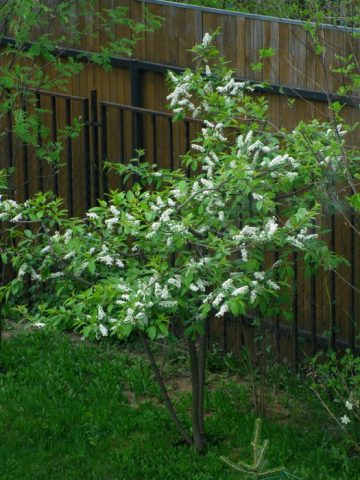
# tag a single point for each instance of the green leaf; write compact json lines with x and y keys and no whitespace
{"x":151,"y":331}
{"x":237,"y":307}
{"x":91,"y":266}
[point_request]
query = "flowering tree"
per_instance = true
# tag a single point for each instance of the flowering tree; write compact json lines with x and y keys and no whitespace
{"x":176,"y":247}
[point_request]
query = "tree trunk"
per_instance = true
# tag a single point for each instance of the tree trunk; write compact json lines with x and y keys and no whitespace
{"x":202,"y":370}
{"x":198,"y":436}
{"x":168,"y":404}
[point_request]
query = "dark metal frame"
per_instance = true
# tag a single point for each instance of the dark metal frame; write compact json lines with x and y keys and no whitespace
{"x":136,"y":68}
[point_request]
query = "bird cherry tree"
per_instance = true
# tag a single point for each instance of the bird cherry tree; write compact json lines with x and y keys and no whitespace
{"x":180,"y":248}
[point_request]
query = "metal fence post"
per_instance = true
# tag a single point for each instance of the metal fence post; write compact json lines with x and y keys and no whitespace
{"x":95,"y":174}
{"x":136,"y":101}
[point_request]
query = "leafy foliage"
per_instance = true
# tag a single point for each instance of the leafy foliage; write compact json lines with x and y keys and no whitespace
{"x":337,"y":386}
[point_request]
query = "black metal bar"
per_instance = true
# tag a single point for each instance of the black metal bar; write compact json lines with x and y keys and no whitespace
{"x":135,"y":83}
{"x":39,"y":140}
{"x":154,"y":132}
{"x":140,"y":65}
{"x":136,"y":101}
{"x":26,"y":166}
{"x":132,"y":108}
{"x":69,"y":159}
{"x":135,"y":133}
{"x":104,"y":154}
{"x":10,"y":146}
{"x":10,"y":152}
{"x":171,"y":144}
{"x":54,"y":139}
{"x":95,"y":145}
{"x":122,"y":140}
{"x":86,"y":155}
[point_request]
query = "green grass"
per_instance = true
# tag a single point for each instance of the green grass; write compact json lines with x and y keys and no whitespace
{"x":80,"y":411}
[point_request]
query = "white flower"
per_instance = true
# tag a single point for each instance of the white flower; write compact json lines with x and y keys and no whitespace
{"x":119,"y":264}
{"x":348,"y":405}
{"x":69,"y":255}
{"x":224,"y":308}
{"x":67,"y":235}
{"x":35,"y":276}
{"x":106,"y":259}
{"x":110,"y":222}
{"x":92,"y":215}
{"x":345,"y":420}
{"x":207,"y":70}
{"x":17,"y":218}
{"x":273,"y":285}
{"x":22,"y":270}
{"x":175,"y":280}
{"x":259,"y":275}
{"x":101,"y":314}
{"x":253,"y":296}
{"x":114,"y":211}
{"x":103,"y":330}
{"x":206,"y":39}
{"x":227,"y":284}
{"x":244,"y":253}
{"x":168,"y":303}
{"x":218,"y":299}
{"x":271,"y":227}
{"x":56,"y":274}
{"x":39,"y":325}
{"x":240,"y":291}
{"x":198,"y":148}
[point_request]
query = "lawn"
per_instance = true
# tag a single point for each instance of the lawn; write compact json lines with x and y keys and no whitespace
{"x":74,"y":410}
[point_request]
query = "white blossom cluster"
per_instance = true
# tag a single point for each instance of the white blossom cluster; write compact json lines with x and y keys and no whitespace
{"x":219,"y":298}
{"x":136,"y":302}
{"x":256,"y":234}
{"x":11,"y":211}
{"x":351,"y":404}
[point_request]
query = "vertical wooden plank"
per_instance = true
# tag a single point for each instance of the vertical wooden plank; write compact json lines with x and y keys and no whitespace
{"x":190,"y":33}
{"x":137,"y":14}
{"x":249,"y":48}
{"x":257,"y":44}
{"x":240,"y":47}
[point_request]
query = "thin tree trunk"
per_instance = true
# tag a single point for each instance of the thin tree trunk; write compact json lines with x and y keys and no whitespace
{"x":164,"y":393}
{"x":202,"y":370}
{"x":195,"y":383}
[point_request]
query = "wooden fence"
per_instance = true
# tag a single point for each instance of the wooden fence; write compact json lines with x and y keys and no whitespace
{"x":125,"y":108}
